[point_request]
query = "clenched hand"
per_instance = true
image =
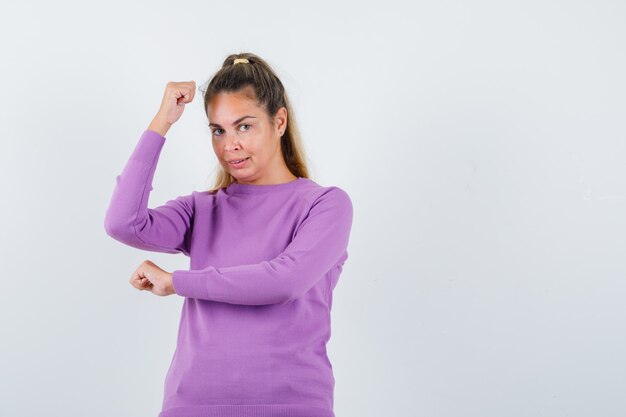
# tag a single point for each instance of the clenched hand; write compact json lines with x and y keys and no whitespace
{"x":150,"y":277}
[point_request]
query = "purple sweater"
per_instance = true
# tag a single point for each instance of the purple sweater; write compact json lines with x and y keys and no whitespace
{"x":264,"y":260}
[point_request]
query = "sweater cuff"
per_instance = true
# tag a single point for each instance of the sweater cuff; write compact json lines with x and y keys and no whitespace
{"x":149,"y":145}
{"x":188,"y":284}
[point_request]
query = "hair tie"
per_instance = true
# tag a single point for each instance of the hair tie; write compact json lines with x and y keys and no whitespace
{"x":241,"y":61}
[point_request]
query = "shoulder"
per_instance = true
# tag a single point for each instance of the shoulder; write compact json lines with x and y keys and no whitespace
{"x":202,"y":198}
{"x":327,"y":196}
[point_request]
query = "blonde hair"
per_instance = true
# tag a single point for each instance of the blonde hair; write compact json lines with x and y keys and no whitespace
{"x":248,"y":70}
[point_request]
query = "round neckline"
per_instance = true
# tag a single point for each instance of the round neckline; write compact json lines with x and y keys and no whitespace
{"x":237,"y":188}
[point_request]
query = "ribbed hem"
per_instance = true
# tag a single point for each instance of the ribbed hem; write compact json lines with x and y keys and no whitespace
{"x":187,"y":284}
{"x":252,"y":410}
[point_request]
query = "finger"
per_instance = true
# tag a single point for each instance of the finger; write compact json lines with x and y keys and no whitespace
{"x":192,"y":91}
{"x":135,"y":279}
{"x":144,"y":283}
{"x":188,"y":93}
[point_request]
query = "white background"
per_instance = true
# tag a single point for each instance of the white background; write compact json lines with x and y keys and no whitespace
{"x":483,"y":146}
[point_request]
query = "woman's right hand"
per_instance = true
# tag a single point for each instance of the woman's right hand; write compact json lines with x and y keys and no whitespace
{"x":176,"y":95}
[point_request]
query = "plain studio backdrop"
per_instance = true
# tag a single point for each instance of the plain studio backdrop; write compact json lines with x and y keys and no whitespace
{"x":483,"y":145}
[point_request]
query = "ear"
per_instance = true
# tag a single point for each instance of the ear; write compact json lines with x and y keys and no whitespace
{"x":280,"y":120}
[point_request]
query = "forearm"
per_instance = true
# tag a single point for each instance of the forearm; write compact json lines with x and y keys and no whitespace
{"x":320,"y":243}
{"x":159,"y":125}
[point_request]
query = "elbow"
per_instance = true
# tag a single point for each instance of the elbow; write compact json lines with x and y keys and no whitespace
{"x":291,"y":296}
{"x":294,"y":289}
{"x":286,"y":297}
{"x":116,"y":229}
{"x":112,"y":229}
{"x":109,"y":227}
{"x":109,"y":223}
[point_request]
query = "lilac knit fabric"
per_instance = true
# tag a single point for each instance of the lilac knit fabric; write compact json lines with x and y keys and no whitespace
{"x":264,"y":260}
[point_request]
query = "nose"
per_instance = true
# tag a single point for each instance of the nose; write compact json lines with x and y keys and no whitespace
{"x":231,"y":143}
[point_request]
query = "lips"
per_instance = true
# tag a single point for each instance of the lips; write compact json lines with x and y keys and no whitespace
{"x":236,"y":161}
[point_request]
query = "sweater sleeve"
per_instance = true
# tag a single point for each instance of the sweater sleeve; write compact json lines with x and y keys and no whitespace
{"x":128,"y":219}
{"x":320,"y":243}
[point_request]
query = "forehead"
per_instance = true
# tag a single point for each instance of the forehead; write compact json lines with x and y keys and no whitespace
{"x":226,"y":107}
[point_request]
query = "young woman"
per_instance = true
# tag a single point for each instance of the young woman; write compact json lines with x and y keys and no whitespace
{"x":266,"y":245}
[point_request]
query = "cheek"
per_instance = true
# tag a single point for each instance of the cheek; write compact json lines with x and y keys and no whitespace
{"x":218,"y":152}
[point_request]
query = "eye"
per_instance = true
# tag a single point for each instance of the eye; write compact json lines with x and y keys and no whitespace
{"x":245,"y":130}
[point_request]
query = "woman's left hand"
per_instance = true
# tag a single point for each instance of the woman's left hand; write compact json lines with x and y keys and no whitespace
{"x":150,"y":277}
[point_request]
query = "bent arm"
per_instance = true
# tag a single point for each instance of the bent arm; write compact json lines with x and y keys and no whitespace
{"x":129,"y":220}
{"x":319,"y":244}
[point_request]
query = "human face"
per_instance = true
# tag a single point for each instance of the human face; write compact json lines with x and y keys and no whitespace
{"x":241,"y":129}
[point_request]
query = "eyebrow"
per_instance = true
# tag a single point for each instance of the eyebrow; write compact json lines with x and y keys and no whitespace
{"x":234,"y":123}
